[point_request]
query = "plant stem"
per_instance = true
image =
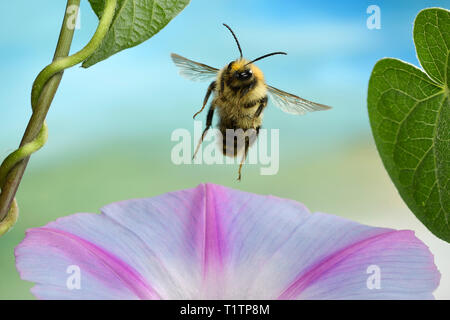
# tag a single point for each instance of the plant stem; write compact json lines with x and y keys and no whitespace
{"x":44,"y":89}
{"x":13,"y":179}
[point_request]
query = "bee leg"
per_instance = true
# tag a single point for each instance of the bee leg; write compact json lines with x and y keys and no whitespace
{"x":209,"y":119}
{"x":262,"y":105}
{"x":244,"y":156}
{"x":211,"y":88}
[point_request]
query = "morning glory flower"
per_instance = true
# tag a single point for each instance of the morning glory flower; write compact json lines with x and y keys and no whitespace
{"x":212,"y":242}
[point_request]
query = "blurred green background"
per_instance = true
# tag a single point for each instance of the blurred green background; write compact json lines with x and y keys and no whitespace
{"x":110,"y":125}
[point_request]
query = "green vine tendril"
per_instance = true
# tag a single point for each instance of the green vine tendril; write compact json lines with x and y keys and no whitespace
{"x":48,"y":72}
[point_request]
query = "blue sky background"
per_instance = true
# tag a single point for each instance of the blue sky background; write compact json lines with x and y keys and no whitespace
{"x":139,"y":92}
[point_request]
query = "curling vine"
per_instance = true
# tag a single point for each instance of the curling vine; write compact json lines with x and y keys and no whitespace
{"x":9,"y":177}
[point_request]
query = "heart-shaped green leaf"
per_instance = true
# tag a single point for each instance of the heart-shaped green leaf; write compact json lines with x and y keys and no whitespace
{"x":134,"y":22}
{"x":409,"y":113}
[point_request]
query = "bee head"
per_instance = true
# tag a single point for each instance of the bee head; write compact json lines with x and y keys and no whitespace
{"x":243,"y":75}
{"x":240,"y":70}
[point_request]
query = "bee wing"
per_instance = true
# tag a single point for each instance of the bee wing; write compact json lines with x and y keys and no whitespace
{"x":193,"y":70}
{"x":293,"y":104}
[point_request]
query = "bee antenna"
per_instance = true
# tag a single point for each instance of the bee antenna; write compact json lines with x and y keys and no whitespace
{"x":267,"y":55}
{"x":235,"y":38}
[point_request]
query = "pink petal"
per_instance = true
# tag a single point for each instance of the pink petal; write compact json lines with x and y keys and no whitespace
{"x":407,"y":271}
{"x":215,"y":242}
{"x":46,"y":253}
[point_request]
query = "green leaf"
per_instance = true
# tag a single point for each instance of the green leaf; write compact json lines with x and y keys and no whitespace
{"x":432,"y":40}
{"x":134,"y":22}
{"x":409,"y":113}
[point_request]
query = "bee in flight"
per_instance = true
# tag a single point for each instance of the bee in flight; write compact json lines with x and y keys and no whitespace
{"x":240,"y":96}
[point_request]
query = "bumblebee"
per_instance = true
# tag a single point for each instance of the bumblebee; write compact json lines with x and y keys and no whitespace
{"x":240,"y":95}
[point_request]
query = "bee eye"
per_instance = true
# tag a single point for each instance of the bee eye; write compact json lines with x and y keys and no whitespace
{"x":245,"y":75}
